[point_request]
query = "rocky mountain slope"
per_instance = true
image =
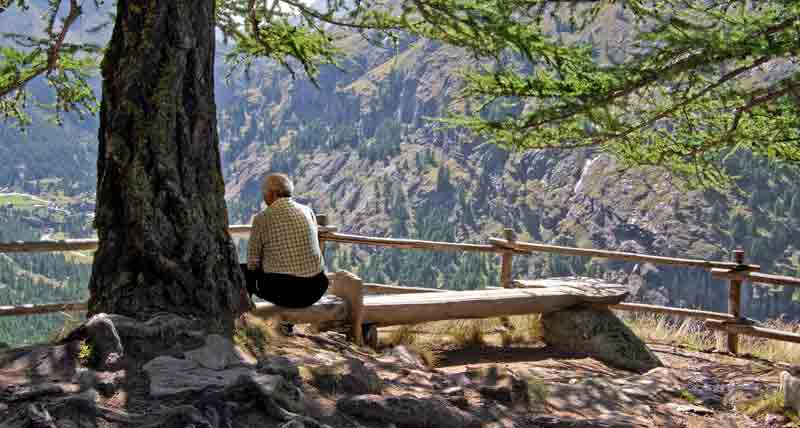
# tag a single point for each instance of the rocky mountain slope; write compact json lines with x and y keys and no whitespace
{"x":363,"y":150}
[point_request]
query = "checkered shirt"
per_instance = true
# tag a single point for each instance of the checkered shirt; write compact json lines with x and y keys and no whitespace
{"x":284,"y":240}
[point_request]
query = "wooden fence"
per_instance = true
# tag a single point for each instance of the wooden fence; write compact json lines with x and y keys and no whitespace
{"x":736,"y":272}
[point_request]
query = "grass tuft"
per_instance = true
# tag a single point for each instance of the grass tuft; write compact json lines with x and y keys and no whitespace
{"x":255,"y":335}
{"x":402,"y":335}
{"x":662,"y":328}
{"x":771,"y":403}
{"x":467,"y":332}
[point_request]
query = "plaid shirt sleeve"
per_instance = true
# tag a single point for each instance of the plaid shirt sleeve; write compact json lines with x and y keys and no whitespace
{"x":256,"y":244}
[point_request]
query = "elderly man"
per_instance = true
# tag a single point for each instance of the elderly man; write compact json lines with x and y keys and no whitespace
{"x":284,"y":261}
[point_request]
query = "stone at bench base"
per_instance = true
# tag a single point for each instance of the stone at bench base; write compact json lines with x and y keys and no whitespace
{"x":597,"y":333}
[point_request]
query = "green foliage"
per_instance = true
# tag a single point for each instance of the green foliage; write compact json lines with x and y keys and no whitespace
{"x":65,"y":67}
{"x":692,"y":89}
{"x":85,"y":353}
{"x":696,"y":83}
{"x":385,"y":144}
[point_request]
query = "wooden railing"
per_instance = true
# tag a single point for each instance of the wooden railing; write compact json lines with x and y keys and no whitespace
{"x":736,"y":272}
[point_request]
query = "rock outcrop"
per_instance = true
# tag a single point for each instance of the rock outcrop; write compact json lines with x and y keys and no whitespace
{"x":597,"y":333}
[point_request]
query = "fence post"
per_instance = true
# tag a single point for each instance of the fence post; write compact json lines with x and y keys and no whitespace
{"x":735,"y":301}
{"x":507,"y":259}
{"x":322,"y":220}
{"x":505,"y":269}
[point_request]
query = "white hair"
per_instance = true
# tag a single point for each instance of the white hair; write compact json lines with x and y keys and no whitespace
{"x":280,"y":183}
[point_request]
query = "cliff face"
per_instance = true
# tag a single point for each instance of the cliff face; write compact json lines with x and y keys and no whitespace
{"x":363,"y":150}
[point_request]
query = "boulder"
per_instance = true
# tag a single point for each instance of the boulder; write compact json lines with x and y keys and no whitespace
{"x":218,"y":353}
{"x":349,"y":376}
{"x":743,"y":392}
{"x":216,"y":364}
{"x":407,"y":411}
{"x":499,"y":384}
{"x":559,"y":422}
{"x":280,"y":366}
{"x":790,"y":386}
{"x":401,"y":354}
{"x":171,"y":376}
{"x":599,"y":334}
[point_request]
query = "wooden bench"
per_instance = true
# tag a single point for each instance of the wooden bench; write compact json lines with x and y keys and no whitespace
{"x":350,"y":301}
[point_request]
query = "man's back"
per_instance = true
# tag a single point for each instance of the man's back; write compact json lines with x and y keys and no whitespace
{"x":284,"y":240}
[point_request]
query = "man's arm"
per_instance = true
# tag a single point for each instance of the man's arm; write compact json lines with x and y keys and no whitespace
{"x":255,"y":244}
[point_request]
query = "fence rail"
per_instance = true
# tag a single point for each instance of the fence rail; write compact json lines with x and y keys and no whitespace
{"x":734,"y":271}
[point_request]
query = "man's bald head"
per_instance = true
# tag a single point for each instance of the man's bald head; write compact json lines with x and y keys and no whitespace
{"x":277,"y":186}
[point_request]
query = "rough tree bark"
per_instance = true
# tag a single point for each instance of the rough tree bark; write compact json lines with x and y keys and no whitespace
{"x":161,"y":215}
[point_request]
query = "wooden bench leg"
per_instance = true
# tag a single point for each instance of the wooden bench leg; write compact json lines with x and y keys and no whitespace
{"x":370,"y":335}
{"x":350,"y":288}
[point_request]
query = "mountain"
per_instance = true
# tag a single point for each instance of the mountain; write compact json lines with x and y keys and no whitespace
{"x":362,"y":148}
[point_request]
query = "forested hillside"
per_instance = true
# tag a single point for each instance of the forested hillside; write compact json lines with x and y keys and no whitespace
{"x":362,"y":149}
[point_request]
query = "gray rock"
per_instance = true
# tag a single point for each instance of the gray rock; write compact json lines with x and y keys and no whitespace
{"x":690,"y":408}
{"x":453,"y":390}
{"x":743,"y":392}
{"x":170,"y":376}
{"x":790,"y":386}
{"x":408,"y":411}
{"x":57,"y":363}
{"x":459,"y":379}
{"x":280,"y":366}
{"x":218,"y":353}
{"x":404,"y":356}
{"x":30,"y":391}
{"x":346,"y":377}
{"x":40,"y":417}
{"x":557,"y":422}
{"x":104,"y":383}
{"x":102,"y":336}
{"x":218,"y":363}
{"x":599,"y":334}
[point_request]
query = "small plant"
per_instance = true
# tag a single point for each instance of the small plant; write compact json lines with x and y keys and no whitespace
{"x":85,"y":353}
{"x":688,"y":396}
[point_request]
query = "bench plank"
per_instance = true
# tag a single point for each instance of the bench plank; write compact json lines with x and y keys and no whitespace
{"x":424,"y":307}
{"x":329,"y":308}
{"x":414,"y":307}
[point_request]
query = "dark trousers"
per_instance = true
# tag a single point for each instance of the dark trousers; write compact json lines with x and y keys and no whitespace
{"x":284,"y":290}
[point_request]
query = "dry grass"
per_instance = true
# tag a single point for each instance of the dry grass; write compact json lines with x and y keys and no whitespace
{"x":410,"y":337}
{"x":773,"y":350}
{"x":771,"y":403}
{"x":254,"y":334}
{"x":661,"y":328}
{"x":466,"y":333}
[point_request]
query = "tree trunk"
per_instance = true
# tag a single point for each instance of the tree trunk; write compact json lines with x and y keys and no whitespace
{"x":161,"y":215}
